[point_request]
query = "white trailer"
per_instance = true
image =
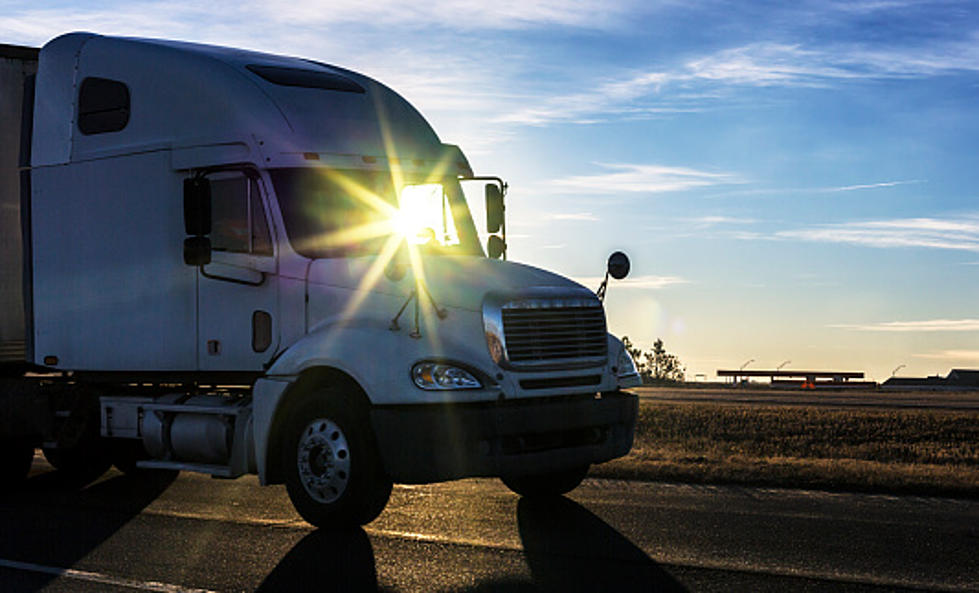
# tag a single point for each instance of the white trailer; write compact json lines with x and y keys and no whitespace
{"x":231,"y":262}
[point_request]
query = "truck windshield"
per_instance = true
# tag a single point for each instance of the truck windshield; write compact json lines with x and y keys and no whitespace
{"x":348,"y":213}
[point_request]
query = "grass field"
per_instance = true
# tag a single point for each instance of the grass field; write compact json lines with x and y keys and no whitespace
{"x":901,"y":451}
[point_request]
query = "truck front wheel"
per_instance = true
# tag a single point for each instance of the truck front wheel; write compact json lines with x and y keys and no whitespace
{"x":549,"y":484}
{"x":333,"y":472}
{"x":83,"y":462}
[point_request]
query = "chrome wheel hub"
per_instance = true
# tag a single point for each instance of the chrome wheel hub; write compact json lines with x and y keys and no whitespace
{"x":323,"y":460}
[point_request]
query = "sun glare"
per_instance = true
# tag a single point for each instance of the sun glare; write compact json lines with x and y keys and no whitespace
{"x":420,"y":206}
{"x":423,"y":216}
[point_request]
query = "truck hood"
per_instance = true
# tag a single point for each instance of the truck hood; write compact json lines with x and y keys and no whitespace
{"x":454,"y":281}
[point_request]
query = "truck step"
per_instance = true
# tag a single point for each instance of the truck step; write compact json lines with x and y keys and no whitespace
{"x":218,"y":471}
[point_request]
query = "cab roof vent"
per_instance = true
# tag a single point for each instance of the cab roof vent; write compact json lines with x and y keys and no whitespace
{"x":310,"y":79}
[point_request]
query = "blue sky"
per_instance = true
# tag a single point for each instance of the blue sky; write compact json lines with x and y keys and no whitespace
{"x":791,"y":182}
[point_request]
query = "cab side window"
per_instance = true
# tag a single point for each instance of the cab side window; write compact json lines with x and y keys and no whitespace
{"x":239,"y":223}
{"x":103,"y":106}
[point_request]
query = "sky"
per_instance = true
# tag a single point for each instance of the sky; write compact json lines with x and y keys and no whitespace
{"x":795,"y":183}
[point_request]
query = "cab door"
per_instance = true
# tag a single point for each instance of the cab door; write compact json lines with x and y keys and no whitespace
{"x":237,"y":297}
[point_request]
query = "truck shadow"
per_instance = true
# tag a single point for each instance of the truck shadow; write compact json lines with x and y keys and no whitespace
{"x":568,"y":548}
{"x":326,"y":561}
{"x":42,"y":524}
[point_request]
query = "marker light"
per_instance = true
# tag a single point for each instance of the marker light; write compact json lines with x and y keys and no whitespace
{"x":432,"y":376}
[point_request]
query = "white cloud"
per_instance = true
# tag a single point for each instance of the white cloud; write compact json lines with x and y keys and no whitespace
{"x":444,"y":55}
{"x":695,"y":84}
{"x":930,"y":325}
{"x":581,"y":216}
{"x":764,"y":64}
{"x":874,"y":185}
{"x":464,"y":14}
{"x":610,"y":98}
{"x":935,"y":233}
{"x":711,"y":221}
{"x":276,"y":17}
{"x":969,"y":355}
{"x":865,"y":6}
{"x":632,"y":178}
{"x":636,"y":282}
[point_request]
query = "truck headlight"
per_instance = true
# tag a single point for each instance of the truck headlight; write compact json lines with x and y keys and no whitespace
{"x":435,"y":376}
{"x":627,"y":373}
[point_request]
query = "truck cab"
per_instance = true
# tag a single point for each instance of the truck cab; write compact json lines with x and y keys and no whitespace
{"x":263,"y":264}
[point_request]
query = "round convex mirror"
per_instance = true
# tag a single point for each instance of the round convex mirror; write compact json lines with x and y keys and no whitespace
{"x":618,"y":265}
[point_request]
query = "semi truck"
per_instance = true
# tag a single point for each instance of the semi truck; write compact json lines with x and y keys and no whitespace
{"x":231,"y":262}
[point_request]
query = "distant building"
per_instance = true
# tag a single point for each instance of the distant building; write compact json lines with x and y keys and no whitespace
{"x":956,"y":379}
{"x":963,"y":378}
{"x":801,"y":379}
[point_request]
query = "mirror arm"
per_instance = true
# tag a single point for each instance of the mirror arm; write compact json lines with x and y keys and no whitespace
{"x":503,"y":232}
{"x":504,"y":186}
{"x":601,"y":289}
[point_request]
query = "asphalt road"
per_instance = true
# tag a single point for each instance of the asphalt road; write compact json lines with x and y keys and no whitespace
{"x":946,"y":400}
{"x":194,"y":533}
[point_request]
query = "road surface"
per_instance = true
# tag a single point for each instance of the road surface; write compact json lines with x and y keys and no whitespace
{"x":194,"y":533}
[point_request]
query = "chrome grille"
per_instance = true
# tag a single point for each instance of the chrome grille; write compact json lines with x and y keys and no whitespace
{"x":537,"y":333}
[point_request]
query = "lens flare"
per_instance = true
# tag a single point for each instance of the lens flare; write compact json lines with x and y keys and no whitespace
{"x":406,"y":214}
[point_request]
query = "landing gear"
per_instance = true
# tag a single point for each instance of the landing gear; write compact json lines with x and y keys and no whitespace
{"x":333,"y":471}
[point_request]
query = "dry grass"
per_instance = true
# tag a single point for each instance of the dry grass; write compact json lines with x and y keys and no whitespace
{"x":910,"y":451}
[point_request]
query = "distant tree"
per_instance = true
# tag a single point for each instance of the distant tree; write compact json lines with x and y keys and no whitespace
{"x":665,"y":366}
{"x":656,"y":365}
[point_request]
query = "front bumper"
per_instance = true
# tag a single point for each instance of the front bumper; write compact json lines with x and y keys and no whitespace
{"x":437,"y":442}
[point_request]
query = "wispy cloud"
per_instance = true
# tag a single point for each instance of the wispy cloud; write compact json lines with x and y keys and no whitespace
{"x":636,"y":282}
{"x":874,"y":185}
{"x":458,"y":70}
{"x":698,"y":83}
{"x":935,"y":233}
{"x":464,"y":14}
{"x":766,"y":64}
{"x":581,"y":216}
{"x":176,"y":17}
{"x":930,"y":325}
{"x":964,"y":355}
{"x":707,"y":227}
{"x":713,"y":221}
{"x":633,"y":178}
{"x":626,"y":96}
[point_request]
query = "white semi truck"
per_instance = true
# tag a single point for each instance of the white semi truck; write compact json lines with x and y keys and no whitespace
{"x":237,"y":263}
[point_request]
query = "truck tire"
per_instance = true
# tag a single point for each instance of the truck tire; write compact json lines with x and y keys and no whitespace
{"x":16,"y":457}
{"x":333,"y":472}
{"x":77,"y":449}
{"x":83,"y":462}
{"x":546,"y":485}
